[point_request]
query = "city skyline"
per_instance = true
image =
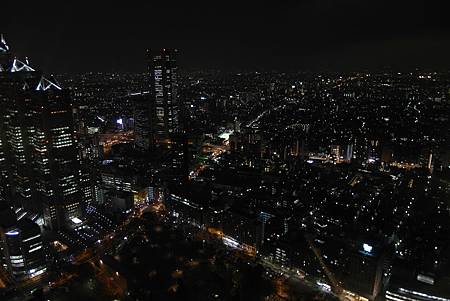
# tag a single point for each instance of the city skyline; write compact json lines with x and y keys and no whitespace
{"x":240,"y":152}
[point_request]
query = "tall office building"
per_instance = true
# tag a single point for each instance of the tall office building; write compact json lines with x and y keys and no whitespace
{"x":4,"y":186}
{"x":22,"y":253}
{"x":15,"y":126}
{"x":57,"y":160}
{"x":142,"y":120}
{"x":39,"y":146}
{"x":5,"y":59}
{"x":164,"y":97}
{"x":4,"y":52}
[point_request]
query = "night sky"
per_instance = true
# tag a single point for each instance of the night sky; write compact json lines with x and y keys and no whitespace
{"x":81,"y":36}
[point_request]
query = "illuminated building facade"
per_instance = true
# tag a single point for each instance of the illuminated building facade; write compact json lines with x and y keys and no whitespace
{"x":41,"y":154}
{"x":16,"y":128}
{"x":163,"y":93}
{"x":4,"y":185}
{"x":4,"y":60}
{"x":22,"y":253}
{"x":57,"y":158}
{"x":142,"y":120}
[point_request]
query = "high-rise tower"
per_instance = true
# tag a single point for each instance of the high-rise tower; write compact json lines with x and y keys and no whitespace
{"x":56,"y":155}
{"x":38,"y":143}
{"x":142,"y":120}
{"x":22,"y":253}
{"x":163,"y":95}
{"x":5,"y":59}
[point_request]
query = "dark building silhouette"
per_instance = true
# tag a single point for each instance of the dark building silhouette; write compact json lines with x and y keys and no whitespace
{"x":142,"y":120}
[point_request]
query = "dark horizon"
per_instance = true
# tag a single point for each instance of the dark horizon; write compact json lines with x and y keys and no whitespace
{"x":308,"y":35}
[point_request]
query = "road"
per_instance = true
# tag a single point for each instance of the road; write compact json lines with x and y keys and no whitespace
{"x":285,"y":279}
{"x":216,"y":151}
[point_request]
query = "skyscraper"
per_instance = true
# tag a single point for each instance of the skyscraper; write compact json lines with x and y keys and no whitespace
{"x":5,"y":59}
{"x":15,"y":126}
{"x":4,"y":48}
{"x":4,"y":185}
{"x":39,"y":146}
{"x":142,"y":120}
{"x":57,"y":161}
{"x":22,"y":252}
{"x":164,"y":96}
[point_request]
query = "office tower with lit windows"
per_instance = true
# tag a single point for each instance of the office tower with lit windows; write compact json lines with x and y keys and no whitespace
{"x":7,"y":221}
{"x":3,"y":172}
{"x":4,"y":183}
{"x":56,"y":157}
{"x":16,"y":128}
{"x":142,"y":120}
{"x":22,"y":252}
{"x":163,"y":93}
{"x":41,"y":155}
{"x":24,"y":255}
